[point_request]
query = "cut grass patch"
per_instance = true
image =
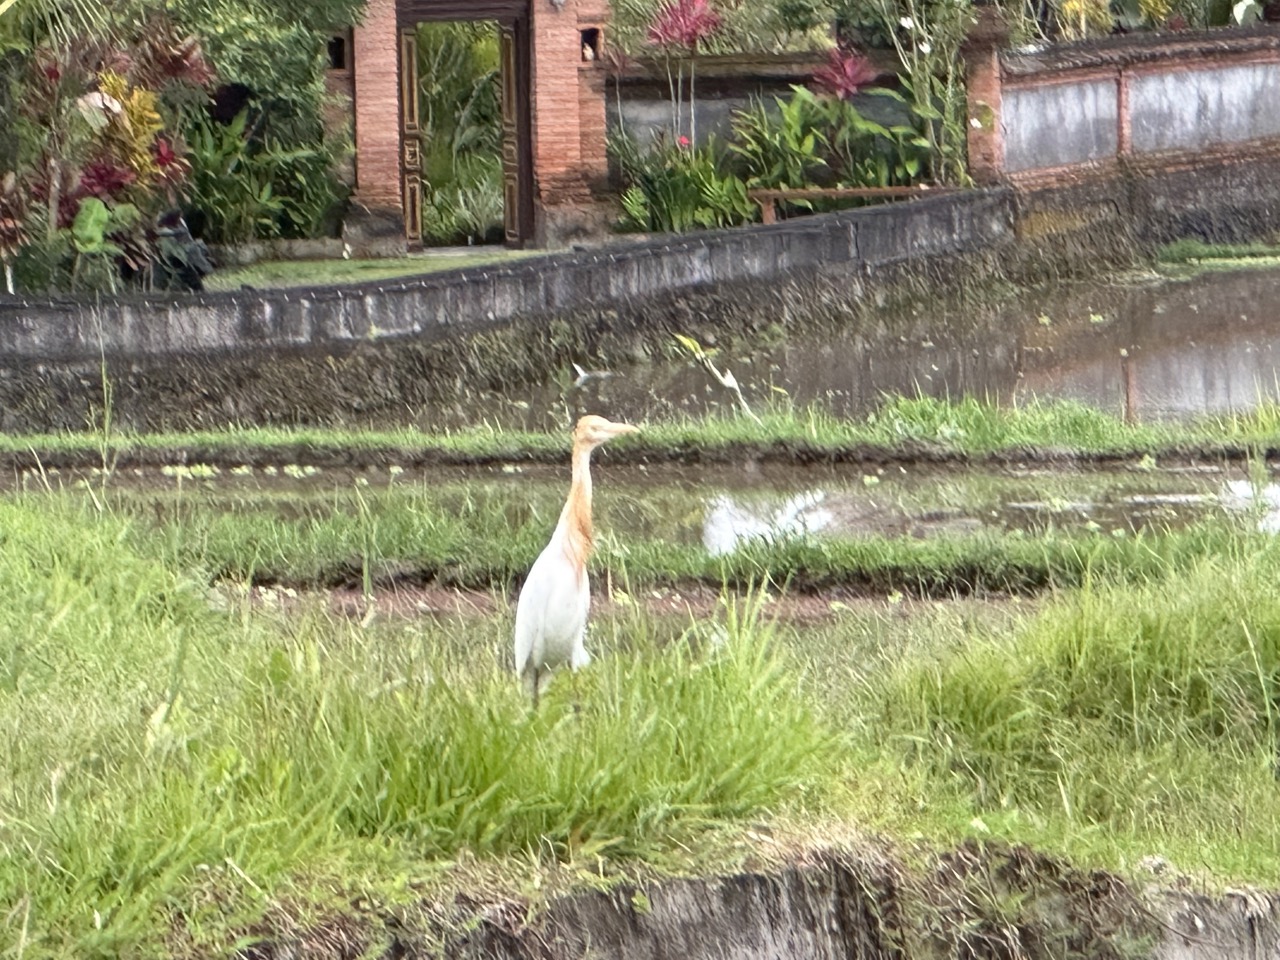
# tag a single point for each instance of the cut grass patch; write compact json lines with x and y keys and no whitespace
{"x":314,"y":273}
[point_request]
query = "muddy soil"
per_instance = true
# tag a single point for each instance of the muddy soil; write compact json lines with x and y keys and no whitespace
{"x":865,"y":900}
{"x":687,"y":601}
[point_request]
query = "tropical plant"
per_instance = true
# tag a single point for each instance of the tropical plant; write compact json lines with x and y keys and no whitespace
{"x":678,"y":28}
{"x":844,"y":74}
{"x":244,"y":188}
{"x":764,"y":26}
{"x":93,"y":158}
{"x":458,"y":96}
{"x":864,"y":153}
{"x":674,"y":188}
{"x":927,"y":39}
{"x":232,"y":198}
{"x":469,"y":209}
{"x":781,"y":147}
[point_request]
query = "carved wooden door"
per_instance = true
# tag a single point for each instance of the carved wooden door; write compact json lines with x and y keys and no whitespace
{"x":510,"y":132}
{"x":410,"y":136}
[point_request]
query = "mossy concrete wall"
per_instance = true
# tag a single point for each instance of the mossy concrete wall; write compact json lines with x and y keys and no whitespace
{"x":395,"y":351}
{"x":972,"y":901}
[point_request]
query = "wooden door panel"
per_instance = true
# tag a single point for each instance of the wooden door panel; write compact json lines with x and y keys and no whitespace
{"x":410,"y":137}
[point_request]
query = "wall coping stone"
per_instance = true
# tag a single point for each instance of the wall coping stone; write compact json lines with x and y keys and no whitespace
{"x":1138,"y":48}
{"x":472,"y":298}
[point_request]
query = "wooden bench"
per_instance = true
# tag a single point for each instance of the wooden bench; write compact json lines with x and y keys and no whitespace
{"x":769,"y":199}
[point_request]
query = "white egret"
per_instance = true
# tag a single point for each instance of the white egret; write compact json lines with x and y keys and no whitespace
{"x":551,"y":615}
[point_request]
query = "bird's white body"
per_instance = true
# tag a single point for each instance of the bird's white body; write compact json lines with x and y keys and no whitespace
{"x":551,"y":614}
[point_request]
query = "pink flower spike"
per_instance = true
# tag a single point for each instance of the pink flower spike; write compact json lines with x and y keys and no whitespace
{"x":683,"y":23}
{"x":844,"y":74}
{"x":683,"y":141}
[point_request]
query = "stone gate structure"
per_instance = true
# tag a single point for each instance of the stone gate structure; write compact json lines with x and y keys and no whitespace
{"x":554,"y":160}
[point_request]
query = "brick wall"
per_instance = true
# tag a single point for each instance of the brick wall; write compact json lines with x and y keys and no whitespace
{"x":557,"y":146}
{"x":982,"y":86}
{"x":568,"y":114}
{"x":377,"y":108}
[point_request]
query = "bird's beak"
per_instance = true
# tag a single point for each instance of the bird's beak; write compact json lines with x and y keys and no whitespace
{"x":621,"y":429}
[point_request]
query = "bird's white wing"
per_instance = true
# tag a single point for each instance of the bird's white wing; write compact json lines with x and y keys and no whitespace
{"x":551,"y":614}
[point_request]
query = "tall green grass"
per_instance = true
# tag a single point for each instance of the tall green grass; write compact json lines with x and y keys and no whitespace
{"x":172,"y":761}
{"x":965,"y":426}
{"x":1147,"y":711}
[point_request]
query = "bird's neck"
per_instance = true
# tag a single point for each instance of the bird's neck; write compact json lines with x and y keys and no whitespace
{"x":575,"y":519}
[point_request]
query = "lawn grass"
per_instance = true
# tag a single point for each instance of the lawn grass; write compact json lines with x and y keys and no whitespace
{"x":310,"y":273}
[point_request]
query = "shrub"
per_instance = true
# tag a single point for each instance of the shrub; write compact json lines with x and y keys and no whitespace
{"x":244,"y":189}
{"x":679,"y":187}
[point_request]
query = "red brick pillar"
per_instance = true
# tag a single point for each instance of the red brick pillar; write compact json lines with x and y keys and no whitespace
{"x":377,"y":221}
{"x":981,"y":52}
{"x":568,"y":120}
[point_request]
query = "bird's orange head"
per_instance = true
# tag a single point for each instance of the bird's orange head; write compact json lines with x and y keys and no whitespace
{"x":592,"y":431}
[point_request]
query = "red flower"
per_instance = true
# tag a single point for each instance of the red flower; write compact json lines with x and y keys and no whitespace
{"x":683,"y":141}
{"x":844,"y":74}
{"x":683,"y":23}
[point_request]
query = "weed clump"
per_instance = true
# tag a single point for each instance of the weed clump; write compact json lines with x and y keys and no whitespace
{"x":1148,"y":709}
{"x":172,"y":756}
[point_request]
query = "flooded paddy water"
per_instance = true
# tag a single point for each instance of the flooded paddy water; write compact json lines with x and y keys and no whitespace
{"x":722,"y":507}
{"x":1148,"y":348}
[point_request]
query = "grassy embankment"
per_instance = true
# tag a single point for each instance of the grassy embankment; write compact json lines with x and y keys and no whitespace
{"x":1198,"y":255}
{"x":904,"y":429}
{"x":177,"y":769}
{"x":366,"y":537}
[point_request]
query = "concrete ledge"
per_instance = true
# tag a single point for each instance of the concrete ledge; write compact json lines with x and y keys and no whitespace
{"x":70,"y":329}
{"x":394,"y":351}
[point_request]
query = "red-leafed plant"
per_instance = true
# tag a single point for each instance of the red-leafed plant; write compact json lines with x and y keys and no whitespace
{"x":684,"y":23}
{"x":844,"y":74}
{"x":682,"y":26}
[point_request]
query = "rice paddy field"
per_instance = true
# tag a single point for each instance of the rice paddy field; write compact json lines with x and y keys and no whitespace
{"x":253,"y":680}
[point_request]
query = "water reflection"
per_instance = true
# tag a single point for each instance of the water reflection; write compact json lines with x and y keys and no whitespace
{"x":733,"y":521}
{"x":1244,"y":496}
{"x":1151,"y":350}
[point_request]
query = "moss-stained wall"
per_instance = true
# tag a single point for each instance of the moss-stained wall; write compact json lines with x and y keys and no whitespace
{"x":395,"y":351}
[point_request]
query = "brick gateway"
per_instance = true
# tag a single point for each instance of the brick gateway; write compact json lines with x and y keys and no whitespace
{"x":554,"y":162}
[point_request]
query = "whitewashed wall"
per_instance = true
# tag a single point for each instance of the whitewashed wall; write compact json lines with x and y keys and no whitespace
{"x":1047,"y":123}
{"x":1063,"y":123}
{"x":1198,"y":108}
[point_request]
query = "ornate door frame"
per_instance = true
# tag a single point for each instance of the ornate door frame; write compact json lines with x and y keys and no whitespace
{"x":516,"y":45}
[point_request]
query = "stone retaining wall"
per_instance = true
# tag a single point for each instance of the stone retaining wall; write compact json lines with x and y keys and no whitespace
{"x":387,"y":352}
